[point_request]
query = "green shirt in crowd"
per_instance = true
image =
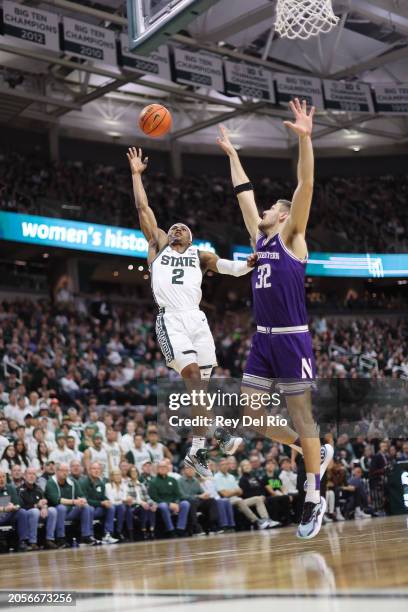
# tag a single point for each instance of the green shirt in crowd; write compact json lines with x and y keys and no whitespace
{"x":164,"y":489}
{"x":94,"y":491}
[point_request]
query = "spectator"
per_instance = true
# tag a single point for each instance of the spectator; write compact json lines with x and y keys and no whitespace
{"x":67,"y":497}
{"x":35,"y":504}
{"x":61,"y":454}
{"x":97,"y":453}
{"x":21,"y":453}
{"x":157,"y":450}
{"x":16,"y":475}
{"x":142,"y":505}
{"x":277,"y":502}
{"x":76,"y":470}
{"x":93,"y":488}
{"x":48,"y":472}
{"x":166,"y":493}
{"x":226,"y":521}
{"x":253,"y":489}
{"x":360,"y":495}
{"x":117,"y":493}
{"x":199,"y":500}
{"x":113,"y":449}
{"x":8,"y":459}
{"x":227,"y":486}
{"x":11,"y":513}
{"x":139,"y":452}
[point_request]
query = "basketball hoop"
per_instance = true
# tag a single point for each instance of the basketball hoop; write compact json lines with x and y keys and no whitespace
{"x":304,"y":18}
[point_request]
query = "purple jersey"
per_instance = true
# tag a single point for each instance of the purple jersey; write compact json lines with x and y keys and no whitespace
{"x":278,"y":285}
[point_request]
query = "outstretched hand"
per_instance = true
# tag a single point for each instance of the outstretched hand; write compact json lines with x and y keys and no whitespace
{"x":303,"y":124}
{"x":251,"y":260}
{"x":224,"y":141}
{"x":137,"y":164}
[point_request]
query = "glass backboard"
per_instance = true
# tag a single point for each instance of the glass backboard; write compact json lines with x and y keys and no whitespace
{"x":152,"y":22}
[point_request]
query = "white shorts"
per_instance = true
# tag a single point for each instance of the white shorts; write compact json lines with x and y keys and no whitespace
{"x":185,"y":338}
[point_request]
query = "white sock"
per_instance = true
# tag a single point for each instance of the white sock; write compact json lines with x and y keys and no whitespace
{"x":313,"y":488}
{"x":197,"y":444}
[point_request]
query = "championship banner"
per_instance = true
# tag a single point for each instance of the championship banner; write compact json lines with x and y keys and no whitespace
{"x":88,"y":41}
{"x":157,"y":63}
{"x":392,"y":99}
{"x":77,"y":235}
{"x":251,"y":81}
{"x":31,"y":25}
{"x":345,"y":96}
{"x":198,"y":69}
{"x":290,"y":86}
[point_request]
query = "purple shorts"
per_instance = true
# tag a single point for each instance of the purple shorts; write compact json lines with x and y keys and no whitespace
{"x":287,"y":358}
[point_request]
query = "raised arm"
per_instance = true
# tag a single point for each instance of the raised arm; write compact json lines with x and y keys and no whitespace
{"x":302,"y":198}
{"x":211,"y":261}
{"x":148,"y":224}
{"x":246,"y":199}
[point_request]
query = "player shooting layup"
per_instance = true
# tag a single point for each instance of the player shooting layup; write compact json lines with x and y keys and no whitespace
{"x":177,"y":269}
{"x":282,"y":346}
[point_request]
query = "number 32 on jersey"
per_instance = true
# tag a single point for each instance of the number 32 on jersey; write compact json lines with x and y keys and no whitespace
{"x":264,"y":275}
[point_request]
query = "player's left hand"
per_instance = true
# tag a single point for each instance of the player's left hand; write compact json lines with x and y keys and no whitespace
{"x":251,"y":260}
{"x":303,"y":124}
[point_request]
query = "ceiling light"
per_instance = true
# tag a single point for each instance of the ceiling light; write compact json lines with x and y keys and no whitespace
{"x":130,"y":267}
{"x":116,"y":273}
{"x":140,"y":268}
{"x":114,"y":134}
{"x":355,"y":148}
{"x":46,"y":255}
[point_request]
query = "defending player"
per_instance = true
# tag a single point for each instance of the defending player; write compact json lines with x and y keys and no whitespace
{"x":177,"y":268}
{"x":282,"y":346}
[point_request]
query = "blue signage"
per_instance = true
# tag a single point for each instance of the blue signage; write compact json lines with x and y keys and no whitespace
{"x":363,"y":265}
{"x":78,"y":236}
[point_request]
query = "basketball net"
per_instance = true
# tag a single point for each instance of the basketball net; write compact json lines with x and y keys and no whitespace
{"x":304,"y":18}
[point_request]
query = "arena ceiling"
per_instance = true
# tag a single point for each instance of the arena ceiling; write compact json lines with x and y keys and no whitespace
{"x":370,"y":44}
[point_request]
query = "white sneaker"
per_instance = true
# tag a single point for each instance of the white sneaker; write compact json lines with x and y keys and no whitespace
{"x":263,"y":523}
{"x":273,"y":524}
{"x":327,"y":519}
{"x":339,"y":516}
{"x":108,"y":539}
{"x":360,"y":514}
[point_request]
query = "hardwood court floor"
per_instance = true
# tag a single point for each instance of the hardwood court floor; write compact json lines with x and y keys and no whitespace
{"x":358,"y":558}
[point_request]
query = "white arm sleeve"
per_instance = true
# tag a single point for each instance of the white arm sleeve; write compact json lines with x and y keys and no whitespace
{"x":233,"y":268}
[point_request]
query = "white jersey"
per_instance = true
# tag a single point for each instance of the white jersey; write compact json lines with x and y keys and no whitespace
{"x":176,"y":279}
{"x":102,"y":457}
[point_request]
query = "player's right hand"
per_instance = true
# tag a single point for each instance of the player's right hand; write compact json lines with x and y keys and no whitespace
{"x":251,"y":260}
{"x":137,"y":164}
{"x":224,"y":141}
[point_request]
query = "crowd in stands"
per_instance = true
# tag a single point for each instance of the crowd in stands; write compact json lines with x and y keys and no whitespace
{"x":81,"y":441}
{"x":348,"y":214}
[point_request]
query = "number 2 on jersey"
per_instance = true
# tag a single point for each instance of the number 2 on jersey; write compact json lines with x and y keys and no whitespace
{"x":264,"y":274}
{"x":177,"y":276}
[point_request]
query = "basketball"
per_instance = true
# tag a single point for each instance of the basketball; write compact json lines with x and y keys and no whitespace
{"x":155,"y":120}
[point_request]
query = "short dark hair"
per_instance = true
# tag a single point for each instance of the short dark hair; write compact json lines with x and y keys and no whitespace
{"x":286,"y":203}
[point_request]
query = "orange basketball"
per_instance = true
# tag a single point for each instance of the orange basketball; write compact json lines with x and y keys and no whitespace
{"x":155,"y":120}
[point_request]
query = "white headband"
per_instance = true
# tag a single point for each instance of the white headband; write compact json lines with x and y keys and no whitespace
{"x":187,"y":228}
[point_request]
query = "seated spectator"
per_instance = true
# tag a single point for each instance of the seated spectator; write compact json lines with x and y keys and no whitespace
{"x":166,"y":493}
{"x":48,"y":472}
{"x":36,"y":505}
{"x":67,"y":497}
{"x":113,"y":449}
{"x":40,"y":457}
{"x":76,"y":471}
{"x":360,"y":496}
{"x":157,"y":450}
{"x":148,"y":472}
{"x":142,"y":505}
{"x":71,"y":446}
{"x":117,"y":493}
{"x":200,"y":501}
{"x":61,"y":454}
{"x":8,"y":459}
{"x":21,"y":453}
{"x":253,"y":489}
{"x":128,"y":439}
{"x":93,"y":488}
{"x":139,"y":452}
{"x":11,"y":513}
{"x":17,"y":475}
{"x":227,"y":486}
{"x":226,"y":521}
{"x":277,"y":502}
{"x":97,"y":453}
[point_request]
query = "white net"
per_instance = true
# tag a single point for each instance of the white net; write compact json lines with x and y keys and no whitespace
{"x":304,"y":18}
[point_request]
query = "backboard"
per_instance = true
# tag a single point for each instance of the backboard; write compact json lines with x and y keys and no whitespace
{"x":152,"y":22}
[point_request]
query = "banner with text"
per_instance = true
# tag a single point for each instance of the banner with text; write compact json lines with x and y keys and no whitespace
{"x":290,"y":86}
{"x":363,"y":265}
{"x":156,"y":63}
{"x":75,"y":235}
{"x":344,"y":96}
{"x":31,"y":25}
{"x":251,"y":81}
{"x":88,"y":41}
{"x":198,"y":69}
{"x":392,"y":99}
